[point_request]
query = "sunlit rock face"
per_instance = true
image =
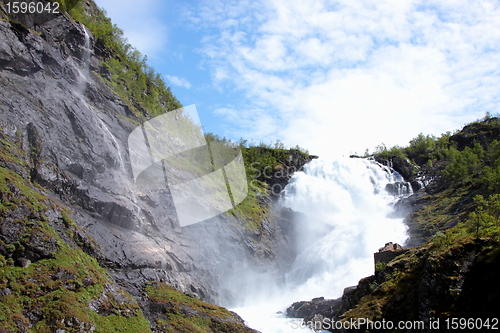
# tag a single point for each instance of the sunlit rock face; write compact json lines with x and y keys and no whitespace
{"x":73,"y":131}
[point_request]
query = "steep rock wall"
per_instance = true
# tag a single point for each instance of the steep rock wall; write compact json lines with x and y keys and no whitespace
{"x":73,"y":130}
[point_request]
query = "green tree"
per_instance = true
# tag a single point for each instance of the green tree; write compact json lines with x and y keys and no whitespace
{"x":464,"y":166}
{"x":279,"y":145}
{"x":484,"y":220}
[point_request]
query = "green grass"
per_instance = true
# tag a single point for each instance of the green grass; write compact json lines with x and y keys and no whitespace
{"x":441,"y":209}
{"x":189,"y":314}
{"x":161,"y":292}
{"x":33,"y":199}
{"x":57,"y":289}
{"x":11,"y":153}
{"x":251,"y":211}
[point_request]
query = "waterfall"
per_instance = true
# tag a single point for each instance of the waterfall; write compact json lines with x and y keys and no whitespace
{"x":83,"y":70}
{"x":116,"y":147}
{"x":347,"y":211}
{"x":113,"y":139}
{"x":133,"y":197}
{"x":346,"y":207}
{"x":86,"y":48}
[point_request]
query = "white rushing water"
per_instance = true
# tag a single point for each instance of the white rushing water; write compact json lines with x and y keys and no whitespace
{"x":83,"y":69}
{"x":347,"y":219}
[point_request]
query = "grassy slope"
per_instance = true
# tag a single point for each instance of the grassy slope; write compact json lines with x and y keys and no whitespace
{"x":182,"y":313}
{"x":54,"y":290}
{"x":65,"y":287}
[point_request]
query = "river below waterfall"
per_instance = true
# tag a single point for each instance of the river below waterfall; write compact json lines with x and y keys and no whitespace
{"x":347,"y":218}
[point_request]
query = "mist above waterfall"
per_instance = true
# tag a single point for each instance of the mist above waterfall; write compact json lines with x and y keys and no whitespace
{"x":347,"y":219}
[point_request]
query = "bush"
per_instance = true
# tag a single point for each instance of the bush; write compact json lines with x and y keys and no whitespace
{"x":464,"y":165}
{"x":485,"y":219}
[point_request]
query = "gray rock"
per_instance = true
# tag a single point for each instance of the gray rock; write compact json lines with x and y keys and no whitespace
{"x":316,"y":312}
{"x":23,"y":262}
{"x":74,"y":140}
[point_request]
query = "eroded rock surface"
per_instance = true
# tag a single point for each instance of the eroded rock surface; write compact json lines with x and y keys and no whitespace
{"x":72,"y":132}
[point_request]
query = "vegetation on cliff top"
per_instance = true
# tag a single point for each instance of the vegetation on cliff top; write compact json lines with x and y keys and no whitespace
{"x":465,"y":168}
{"x":124,"y":68}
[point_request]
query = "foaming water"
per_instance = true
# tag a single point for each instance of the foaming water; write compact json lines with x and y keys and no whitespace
{"x":347,"y":210}
{"x":347,"y":219}
{"x":265,"y":318}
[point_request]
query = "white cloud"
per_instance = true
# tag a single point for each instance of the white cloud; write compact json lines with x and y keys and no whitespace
{"x":178,"y":81}
{"x":255,"y":123}
{"x":141,"y":22}
{"x":343,"y":76}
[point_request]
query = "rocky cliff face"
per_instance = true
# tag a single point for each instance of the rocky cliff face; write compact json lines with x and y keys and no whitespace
{"x":68,"y":133}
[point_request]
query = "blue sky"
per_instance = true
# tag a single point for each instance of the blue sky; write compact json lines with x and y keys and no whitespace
{"x":335,"y":77}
